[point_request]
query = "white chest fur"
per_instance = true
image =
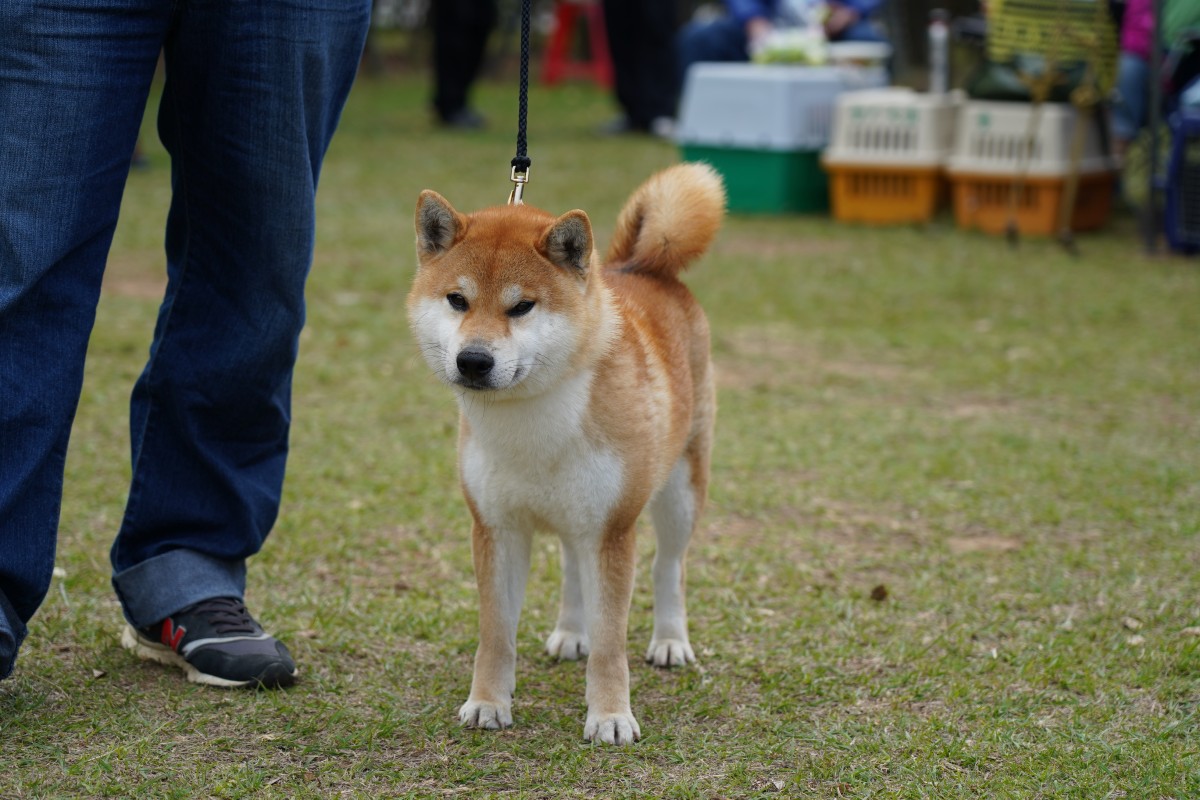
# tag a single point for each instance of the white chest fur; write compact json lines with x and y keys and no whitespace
{"x":529,"y":463}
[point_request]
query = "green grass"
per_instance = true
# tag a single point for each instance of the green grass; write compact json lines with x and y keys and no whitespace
{"x":1006,"y":440}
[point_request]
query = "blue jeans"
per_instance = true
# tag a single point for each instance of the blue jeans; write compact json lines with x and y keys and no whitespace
{"x":1131,"y":102}
{"x":252,"y":95}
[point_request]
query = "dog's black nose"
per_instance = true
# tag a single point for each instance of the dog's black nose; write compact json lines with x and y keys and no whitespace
{"x":474,"y":364}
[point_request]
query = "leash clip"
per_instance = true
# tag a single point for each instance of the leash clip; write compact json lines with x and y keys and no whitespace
{"x":519,"y":180}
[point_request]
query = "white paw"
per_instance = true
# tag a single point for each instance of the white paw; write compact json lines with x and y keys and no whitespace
{"x":483,"y":714}
{"x":611,"y":728}
{"x":670,"y":653}
{"x":567,"y":645}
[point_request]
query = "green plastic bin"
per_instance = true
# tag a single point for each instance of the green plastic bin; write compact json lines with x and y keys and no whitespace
{"x":767,"y":181}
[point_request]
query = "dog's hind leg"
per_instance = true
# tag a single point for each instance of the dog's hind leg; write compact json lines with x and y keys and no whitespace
{"x":569,"y":641}
{"x":501,"y":571}
{"x":675,"y":510}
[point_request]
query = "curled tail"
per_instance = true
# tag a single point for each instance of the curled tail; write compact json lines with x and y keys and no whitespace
{"x":670,"y":220}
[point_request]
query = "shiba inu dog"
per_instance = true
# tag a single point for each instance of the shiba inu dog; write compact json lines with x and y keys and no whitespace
{"x":586,"y":394}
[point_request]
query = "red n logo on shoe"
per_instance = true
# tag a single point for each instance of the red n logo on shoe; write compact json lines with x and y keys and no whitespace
{"x":171,"y":635}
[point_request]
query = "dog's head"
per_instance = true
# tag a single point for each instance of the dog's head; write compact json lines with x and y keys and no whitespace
{"x":503,"y":298}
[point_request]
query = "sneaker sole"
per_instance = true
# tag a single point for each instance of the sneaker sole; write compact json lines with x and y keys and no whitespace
{"x":147,"y":650}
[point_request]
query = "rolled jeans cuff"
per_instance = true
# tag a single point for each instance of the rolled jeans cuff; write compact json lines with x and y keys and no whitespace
{"x":12,"y":633}
{"x":158,"y":587}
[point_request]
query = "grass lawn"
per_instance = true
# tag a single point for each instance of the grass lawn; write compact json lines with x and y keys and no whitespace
{"x":951,"y":549}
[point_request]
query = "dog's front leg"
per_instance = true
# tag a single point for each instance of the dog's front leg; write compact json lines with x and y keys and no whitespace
{"x":606,"y":576}
{"x":501,"y":569}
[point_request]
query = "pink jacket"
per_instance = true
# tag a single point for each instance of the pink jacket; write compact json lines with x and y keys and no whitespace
{"x":1137,"y":28}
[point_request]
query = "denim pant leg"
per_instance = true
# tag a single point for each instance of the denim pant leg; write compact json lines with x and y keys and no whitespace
{"x":1130,"y":104}
{"x":252,"y":96}
{"x":862,"y":31}
{"x":73,"y":84}
{"x":721,"y":39}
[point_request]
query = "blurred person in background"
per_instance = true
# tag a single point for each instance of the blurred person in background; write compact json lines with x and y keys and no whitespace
{"x":460,"y":34}
{"x":641,"y":40}
{"x":1177,"y":40}
{"x":747,"y":23}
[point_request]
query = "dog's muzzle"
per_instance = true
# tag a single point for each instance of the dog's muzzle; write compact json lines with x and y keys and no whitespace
{"x":474,"y":366}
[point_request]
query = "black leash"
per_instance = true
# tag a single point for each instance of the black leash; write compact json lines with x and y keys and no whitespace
{"x":520,"y":163}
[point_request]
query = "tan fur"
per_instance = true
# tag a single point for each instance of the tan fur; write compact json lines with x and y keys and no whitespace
{"x":576,"y":413}
{"x":649,"y":234}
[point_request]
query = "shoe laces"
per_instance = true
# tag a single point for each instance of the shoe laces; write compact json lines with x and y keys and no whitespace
{"x":226,"y":615}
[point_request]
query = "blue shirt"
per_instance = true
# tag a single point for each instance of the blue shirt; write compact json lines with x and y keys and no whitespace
{"x":744,"y":10}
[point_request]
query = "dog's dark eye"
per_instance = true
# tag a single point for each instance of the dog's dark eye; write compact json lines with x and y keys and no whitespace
{"x":457,"y":301}
{"x":521,"y":309}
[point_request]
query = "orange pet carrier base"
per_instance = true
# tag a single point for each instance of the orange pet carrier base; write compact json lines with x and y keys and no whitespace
{"x":982,"y":202}
{"x":885,"y":195}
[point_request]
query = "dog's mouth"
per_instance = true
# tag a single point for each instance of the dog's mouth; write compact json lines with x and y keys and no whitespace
{"x":474,"y":384}
{"x":476,"y":371}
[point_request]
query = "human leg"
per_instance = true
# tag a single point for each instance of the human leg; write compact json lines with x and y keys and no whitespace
{"x":861,"y":31}
{"x":643,"y":55}
{"x":722,"y":39}
{"x":73,"y":85}
{"x":1129,"y":105}
{"x":252,"y":97}
{"x":460,"y":32}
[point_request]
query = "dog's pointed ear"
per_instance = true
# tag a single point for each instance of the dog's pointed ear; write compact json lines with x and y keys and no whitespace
{"x":439,"y":226}
{"x":568,"y":242}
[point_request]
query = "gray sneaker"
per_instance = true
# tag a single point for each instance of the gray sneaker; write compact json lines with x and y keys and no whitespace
{"x":217,"y":643}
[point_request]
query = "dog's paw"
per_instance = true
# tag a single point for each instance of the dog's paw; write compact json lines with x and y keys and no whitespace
{"x":670,"y":653}
{"x":484,"y":714}
{"x":567,"y":645}
{"x":611,"y":729}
